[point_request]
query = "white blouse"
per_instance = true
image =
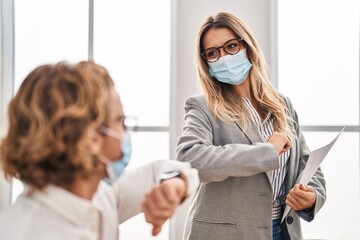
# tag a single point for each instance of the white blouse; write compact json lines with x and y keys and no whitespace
{"x":56,"y":214}
{"x":276,"y":176}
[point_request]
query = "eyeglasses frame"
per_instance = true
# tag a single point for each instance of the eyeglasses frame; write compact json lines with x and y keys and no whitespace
{"x":239,"y":39}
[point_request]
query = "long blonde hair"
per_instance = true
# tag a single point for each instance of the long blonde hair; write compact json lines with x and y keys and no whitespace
{"x":223,"y":100}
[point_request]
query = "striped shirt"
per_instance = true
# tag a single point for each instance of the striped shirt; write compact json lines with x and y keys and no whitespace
{"x":276,"y":176}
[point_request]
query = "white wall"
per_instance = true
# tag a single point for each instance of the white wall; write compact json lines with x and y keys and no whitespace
{"x":190,"y":15}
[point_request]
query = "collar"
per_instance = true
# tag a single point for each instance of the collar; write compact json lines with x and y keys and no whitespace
{"x":78,"y":211}
{"x":255,"y":114}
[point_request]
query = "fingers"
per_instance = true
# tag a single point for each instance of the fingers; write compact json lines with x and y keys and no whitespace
{"x":293,"y":203}
{"x":287,"y":146}
{"x":301,"y":197}
{"x":155,"y":216}
{"x":160,"y":203}
{"x":169,"y":192}
{"x":306,"y":188}
{"x":159,"y":198}
{"x":280,"y":141}
{"x":302,"y":192}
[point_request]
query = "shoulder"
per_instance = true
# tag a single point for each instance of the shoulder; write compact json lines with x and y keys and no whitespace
{"x":290,"y":110}
{"x":284,"y":97}
{"x":287,"y":101}
{"x":20,"y":220}
{"x":197,"y":100}
{"x":197,"y":105}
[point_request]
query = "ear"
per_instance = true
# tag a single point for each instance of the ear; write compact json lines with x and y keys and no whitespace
{"x":96,"y":141}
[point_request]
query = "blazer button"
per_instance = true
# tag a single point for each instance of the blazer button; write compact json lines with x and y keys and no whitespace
{"x":289,"y":220}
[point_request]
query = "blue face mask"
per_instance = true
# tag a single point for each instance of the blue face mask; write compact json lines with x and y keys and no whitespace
{"x":231,"y":69}
{"x":115,"y":169}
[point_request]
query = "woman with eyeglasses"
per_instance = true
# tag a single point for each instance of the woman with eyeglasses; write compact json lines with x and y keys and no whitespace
{"x":244,"y":138}
{"x":66,"y":135}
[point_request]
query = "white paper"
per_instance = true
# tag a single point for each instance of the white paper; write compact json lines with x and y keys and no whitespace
{"x":313,"y":163}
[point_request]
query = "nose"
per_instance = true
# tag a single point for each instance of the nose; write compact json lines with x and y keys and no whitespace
{"x":222,"y":51}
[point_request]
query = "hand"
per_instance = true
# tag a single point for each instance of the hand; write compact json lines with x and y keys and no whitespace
{"x":160,"y":203}
{"x":301,"y":197}
{"x":280,"y":141}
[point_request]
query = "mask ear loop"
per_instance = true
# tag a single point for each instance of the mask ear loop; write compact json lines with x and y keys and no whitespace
{"x":108,"y":166}
{"x":112,"y":175}
{"x":110,"y":132}
{"x":104,"y":160}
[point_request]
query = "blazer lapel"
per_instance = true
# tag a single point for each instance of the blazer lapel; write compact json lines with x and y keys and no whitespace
{"x":252,"y":133}
{"x":292,"y":164}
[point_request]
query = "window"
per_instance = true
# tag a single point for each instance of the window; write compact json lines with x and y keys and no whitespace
{"x":319,"y":59}
{"x":139,"y":62}
{"x":338,"y":218}
{"x":49,"y":32}
{"x":134,"y":44}
{"x":39,"y":42}
{"x":318,"y":66}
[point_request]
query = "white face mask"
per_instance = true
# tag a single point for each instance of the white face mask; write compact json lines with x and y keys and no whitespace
{"x":231,"y":69}
{"x":115,"y":169}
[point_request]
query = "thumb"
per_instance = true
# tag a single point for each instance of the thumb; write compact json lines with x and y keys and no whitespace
{"x":156,"y":229}
{"x":306,"y":188}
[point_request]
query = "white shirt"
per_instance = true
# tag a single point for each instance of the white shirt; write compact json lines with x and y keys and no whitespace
{"x":55,"y":213}
{"x":277,"y":176}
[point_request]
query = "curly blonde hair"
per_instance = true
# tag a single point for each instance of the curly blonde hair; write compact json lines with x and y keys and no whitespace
{"x":223,"y":99}
{"x":50,"y":118}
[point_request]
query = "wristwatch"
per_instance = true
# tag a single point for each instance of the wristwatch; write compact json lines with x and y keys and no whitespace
{"x":170,"y":175}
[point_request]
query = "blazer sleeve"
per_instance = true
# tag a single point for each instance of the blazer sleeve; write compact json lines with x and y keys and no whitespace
{"x":216,"y":163}
{"x":131,"y":187}
{"x":317,"y":181}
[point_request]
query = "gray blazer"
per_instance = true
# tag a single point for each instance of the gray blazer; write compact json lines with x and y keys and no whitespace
{"x":234,"y":200}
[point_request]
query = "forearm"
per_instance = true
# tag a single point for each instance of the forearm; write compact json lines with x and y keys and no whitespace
{"x":130,"y":188}
{"x":216,"y":163}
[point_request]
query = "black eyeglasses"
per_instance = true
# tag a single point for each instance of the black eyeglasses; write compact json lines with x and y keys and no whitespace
{"x":231,"y":47}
